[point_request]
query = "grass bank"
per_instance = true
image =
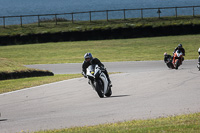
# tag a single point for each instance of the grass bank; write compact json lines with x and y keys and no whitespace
{"x":7,"y":65}
{"x":137,"y":49}
{"x":11,"y":70}
{"x":68,"y":26}
{"x":99,"y":30}
{"x":181,"y":124}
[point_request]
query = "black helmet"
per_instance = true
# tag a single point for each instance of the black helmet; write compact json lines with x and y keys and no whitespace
{"x":180,"y":46}
{"x":88,"y":56}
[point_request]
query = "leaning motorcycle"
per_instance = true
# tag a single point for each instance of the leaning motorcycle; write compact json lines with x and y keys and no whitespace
{"x":98,"y":80}
{"x":177,"y":59}
{"x":168,"y":61}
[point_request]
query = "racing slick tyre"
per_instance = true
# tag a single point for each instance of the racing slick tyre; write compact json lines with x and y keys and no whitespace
{"x":99,"y":88}
{"x":177,"y":64}
{"x":109,"y":93}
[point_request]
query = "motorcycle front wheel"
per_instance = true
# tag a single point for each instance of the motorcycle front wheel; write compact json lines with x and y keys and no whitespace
{"x":177,"y":64}
{"x":109,"y":93}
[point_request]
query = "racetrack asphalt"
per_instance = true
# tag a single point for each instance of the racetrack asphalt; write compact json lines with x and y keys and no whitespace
{"x":144,"y":89}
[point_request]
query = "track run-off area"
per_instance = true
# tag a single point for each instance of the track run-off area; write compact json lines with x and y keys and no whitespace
{"x":142,"y":90}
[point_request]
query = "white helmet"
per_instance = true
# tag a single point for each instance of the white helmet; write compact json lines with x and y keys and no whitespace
{"x":199,"y":50}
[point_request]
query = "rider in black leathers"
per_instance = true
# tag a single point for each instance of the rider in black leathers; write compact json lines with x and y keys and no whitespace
{"x":89,"y":60}
{"x":166,"y":57}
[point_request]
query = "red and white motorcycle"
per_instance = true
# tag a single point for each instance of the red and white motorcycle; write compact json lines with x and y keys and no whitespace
{"x":177,"y":59}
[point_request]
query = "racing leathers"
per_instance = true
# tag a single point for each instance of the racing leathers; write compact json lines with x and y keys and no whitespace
{"x":94,"y":61}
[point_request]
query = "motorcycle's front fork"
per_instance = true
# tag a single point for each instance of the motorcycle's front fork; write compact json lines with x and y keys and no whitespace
{"x":91,"y":82}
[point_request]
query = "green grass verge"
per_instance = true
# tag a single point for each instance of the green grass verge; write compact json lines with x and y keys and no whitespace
{"x":17,"y":84}
{"x":66,"y":26}
{"x":183,"y":124}
{"x":7,"y":65}
{"x":136,"y":49}
{"x":10,"y":70}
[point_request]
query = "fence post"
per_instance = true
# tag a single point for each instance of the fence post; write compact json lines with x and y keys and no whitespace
{"x":107,"y":15}
{"x":124,"y":14}
{"x":193,"y":12}
{"x":38,"y":20}
{"x":159,"y":12}
{"x":176,"y":11}
{"x":4,"y":22}
{"x":90,"y":16}
{"x":21,"y":20}
{"x":56,"y":19}
{"x":141,"y":13}
{"x":72,"y":17}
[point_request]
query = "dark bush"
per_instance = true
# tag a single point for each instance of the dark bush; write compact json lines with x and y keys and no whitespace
{"x":24,"y":74}
{"x":100,"y":34}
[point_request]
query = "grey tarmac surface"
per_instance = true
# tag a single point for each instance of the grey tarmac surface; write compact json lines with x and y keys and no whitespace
{"x":129,"y":66}
{"x":144,"y":89}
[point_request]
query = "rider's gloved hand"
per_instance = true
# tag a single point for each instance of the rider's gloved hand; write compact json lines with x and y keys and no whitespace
{"x":102,"y":68}
{"x":84,"y":75}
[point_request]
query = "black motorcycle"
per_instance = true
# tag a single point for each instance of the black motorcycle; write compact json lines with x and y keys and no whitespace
{"x":168,"y":60}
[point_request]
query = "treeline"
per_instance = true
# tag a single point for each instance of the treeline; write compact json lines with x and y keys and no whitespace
{"x":101,"y":34}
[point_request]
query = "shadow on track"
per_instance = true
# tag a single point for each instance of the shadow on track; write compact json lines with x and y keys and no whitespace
{"x":3,"y":120}
{"x":118,"y":96}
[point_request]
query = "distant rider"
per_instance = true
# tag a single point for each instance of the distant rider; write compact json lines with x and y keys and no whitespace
{"x":89,"y":60}
{"x":166,"y":57}
{"x":181,"y":49}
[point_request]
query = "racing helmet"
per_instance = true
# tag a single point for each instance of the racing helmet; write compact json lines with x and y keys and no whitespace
{"x":165,"y":54}
{"x":88,"y":56}
{"x":199,"y":50}
{"x":180,"y":46}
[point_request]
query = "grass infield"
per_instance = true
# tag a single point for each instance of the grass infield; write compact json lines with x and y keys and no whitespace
{"x":188,"y":123}
{"x":136,"y":49}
